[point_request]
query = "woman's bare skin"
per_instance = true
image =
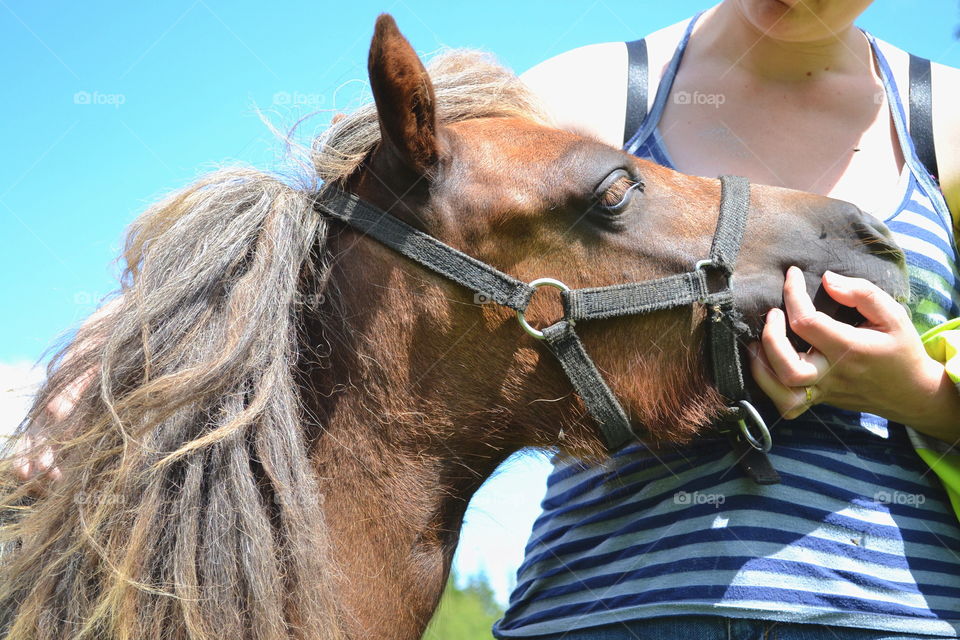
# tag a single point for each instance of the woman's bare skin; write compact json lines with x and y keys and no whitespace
{"x":31,"y":455}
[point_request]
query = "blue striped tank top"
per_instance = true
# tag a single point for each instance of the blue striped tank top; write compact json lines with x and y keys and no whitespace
{"x":858,"y":534}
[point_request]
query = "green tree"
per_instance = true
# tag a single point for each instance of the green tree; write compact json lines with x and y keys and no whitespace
{"x":465,"y":613}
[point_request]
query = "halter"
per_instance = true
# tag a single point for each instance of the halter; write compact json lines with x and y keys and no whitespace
{"x":745,"y":428}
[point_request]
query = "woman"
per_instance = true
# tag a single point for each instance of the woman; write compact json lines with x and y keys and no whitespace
{"x":858,"y":540}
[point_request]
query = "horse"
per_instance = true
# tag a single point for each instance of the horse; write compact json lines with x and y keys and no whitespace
{"x":281,"y":420}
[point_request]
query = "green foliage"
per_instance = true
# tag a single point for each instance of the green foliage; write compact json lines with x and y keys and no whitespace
{"x":465,"y":613}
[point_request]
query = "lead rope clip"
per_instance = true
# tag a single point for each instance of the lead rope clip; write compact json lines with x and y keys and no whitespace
{"x":748,"y":413}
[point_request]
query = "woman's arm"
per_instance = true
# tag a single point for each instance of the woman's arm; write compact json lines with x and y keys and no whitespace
{"x":585,"y":89}
{"x":945,"y":85}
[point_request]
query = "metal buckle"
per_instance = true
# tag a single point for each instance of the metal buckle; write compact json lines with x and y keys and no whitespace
{"x":536,"y":284}
{"x":748,"y":412}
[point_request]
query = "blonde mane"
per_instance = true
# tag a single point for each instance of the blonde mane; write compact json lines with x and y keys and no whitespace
{"x":188,"y":505}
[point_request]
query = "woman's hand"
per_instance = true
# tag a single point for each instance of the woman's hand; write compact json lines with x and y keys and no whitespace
{"x":31,"y":457}
{"x":33,"y":454}
{"x":879,"y":367}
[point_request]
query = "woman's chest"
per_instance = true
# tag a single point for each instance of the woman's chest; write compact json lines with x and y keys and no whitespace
{"x":809,"y":140}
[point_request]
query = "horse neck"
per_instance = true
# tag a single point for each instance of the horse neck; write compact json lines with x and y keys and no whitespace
{"x":397,"y":454}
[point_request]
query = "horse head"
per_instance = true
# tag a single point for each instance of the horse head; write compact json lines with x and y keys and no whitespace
{"x":535,"y":201}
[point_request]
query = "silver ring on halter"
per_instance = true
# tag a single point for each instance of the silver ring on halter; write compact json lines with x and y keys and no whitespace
{"x":765,"y":442}
{"x":536,"y":284}
{"x":703,"y":263}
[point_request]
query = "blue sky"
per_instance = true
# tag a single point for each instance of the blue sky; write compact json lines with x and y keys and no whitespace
{"x":107,"y":105}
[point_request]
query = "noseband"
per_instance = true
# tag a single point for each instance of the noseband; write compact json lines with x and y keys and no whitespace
{"x":708,"y":284}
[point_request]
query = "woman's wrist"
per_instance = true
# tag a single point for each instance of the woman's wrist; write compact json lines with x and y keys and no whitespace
{"x":936,"y":409}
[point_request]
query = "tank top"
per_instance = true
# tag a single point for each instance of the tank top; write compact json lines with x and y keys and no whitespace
{"x":859,"y":533}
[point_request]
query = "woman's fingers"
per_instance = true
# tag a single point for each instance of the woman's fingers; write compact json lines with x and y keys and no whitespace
{"x":46,"y":463}
{"x":30,"y":460}
{"x":789,"y":401}
{"x":827,"y":335}
{"x":875,"y":304}
{"x":868,"y":368}
{"x":23,"y":469}
{"x":21,"y":461}
{"x":792,"y":368}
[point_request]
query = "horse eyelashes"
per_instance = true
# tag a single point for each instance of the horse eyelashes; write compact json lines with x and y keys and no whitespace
{"x":617,"y":195}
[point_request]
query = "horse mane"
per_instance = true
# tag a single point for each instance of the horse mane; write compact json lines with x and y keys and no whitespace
{"x":188,"y":506}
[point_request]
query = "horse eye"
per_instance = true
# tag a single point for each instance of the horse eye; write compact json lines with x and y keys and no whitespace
{"x":613,"y":194}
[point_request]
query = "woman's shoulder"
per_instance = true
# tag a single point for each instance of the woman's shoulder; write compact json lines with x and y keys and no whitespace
{"x":945,"y":89}
{"x":585,"y":89}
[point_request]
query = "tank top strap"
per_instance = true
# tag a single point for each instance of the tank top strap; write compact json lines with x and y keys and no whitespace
{"x":663,"y":91}
{"x":907,"y":148}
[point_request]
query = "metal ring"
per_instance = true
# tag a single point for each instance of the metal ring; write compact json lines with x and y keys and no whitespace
{"x":703,"y":263}
{"x":765,"y":442}
{"x":536,"y":284}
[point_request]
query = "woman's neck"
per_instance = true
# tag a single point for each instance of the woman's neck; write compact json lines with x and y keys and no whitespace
{"x":739,"y":45}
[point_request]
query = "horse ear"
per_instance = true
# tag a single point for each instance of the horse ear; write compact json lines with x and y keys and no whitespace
{"x":404,"y":96}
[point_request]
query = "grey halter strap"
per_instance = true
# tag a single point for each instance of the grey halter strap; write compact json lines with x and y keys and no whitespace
{"x":724,"y":327}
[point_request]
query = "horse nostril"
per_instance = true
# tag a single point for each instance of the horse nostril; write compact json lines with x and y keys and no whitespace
{"x":878,"y":239}
{"x":879,"y":227}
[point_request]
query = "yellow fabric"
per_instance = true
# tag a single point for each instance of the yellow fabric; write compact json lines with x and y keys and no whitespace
{"x":943,"y":344}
